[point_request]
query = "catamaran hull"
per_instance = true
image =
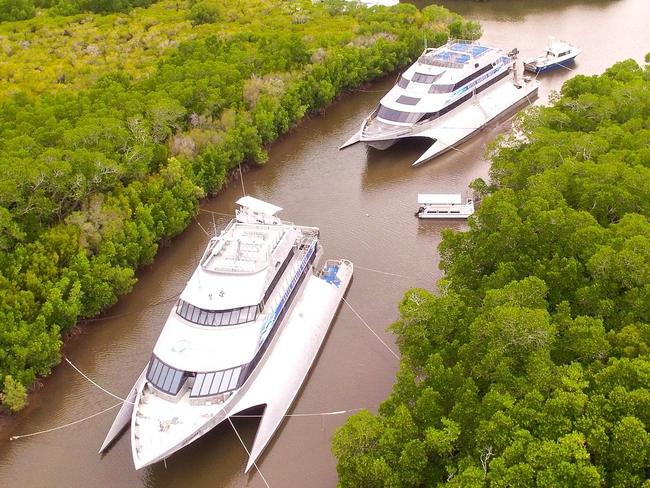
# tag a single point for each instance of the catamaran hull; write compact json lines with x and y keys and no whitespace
{"x":462,"y":123}
{"x":123,"y":418}
{"x":381,"y":145}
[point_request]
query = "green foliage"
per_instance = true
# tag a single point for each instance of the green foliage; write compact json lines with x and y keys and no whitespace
{"x":532,"y":368}
{"x":205,"y":12}
{"x":14,"y":396}
{"x":16,"y":10}
{"x":100,"y":164}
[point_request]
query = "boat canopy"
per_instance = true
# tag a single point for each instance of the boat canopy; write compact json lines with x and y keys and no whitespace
{"x":257,"y":205}
{"x":439,"y":198}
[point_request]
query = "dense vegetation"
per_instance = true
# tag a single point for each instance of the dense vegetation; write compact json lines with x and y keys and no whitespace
{"x":102,"y":161}
{"x":532,"y":367}
{"x":26,"y":9}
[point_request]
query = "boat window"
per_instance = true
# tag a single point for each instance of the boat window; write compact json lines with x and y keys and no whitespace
{"x":216,"y":382}
{"x":408,"y":100}
{"x":403,"y":82}
{"x":155,"y":372}
{"x":207,"y":383}
{"x":195,"y":314}
{"x":473,"y":76}
{"x":397,"y":115}
{"x":441,"y":88}
{"x":225,"y":381}
{"x":164,"y":377}
{"x":200,"y":316}
{"x":234,"y":378}
{"x":424,"y":78}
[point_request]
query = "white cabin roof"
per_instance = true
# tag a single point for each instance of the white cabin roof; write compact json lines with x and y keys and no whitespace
{"x":439,"y":198}
{"x":258,"y":205}
{"x":203,"y":349}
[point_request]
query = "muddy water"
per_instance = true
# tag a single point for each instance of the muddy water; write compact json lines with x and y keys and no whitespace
{"x":363,"y":201}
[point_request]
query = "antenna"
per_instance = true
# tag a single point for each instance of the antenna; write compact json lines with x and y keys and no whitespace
{"x":241,"y":176}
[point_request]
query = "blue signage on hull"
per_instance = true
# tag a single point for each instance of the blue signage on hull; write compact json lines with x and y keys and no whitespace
{"x":272,"y":318}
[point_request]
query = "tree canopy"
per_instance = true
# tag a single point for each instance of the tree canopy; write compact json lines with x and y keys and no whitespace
{"x":532,"y":367}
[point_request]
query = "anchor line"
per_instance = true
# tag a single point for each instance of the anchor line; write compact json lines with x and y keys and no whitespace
{"x":248,"y":453}
{"x":382,"y":272}
{"x":215,"y":213}
{"x":69,"y":424}
{"x":316,"y":414}
{"x":118,"y":315}
{"x":370,"y":328}
{"x":97,"y":414}
{"x":124,"y":400}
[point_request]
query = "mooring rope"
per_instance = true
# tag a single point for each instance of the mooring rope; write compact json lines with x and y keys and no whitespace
{"x":215,"y":213}
{"x":317,"y":414}
{"x":370,"y":328}
{"x":69,"y":424}
{"x":98,"y":386}
{"x":356,"y":266}
{"x":248,"y":453}
{"x":118,"y":315}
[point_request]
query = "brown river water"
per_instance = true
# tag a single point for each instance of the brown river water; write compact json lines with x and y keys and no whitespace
{"x":363,"y":201}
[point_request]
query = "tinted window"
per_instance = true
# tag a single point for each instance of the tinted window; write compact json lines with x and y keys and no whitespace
{"x":216,"y":382}
{"x":216,"y":317}
{"x":408,"y":100}
{"x":441,"y":88}
{"x":398,"y":116}
{"x":164,"y":377}
{"x":403,"y":82}
{"x":422,"y":78}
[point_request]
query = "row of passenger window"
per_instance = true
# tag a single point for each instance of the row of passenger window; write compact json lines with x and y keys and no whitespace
{"x":448,"y":88}
{"x":164,"y":377}
{"x":200,"y":316}
{"x":207,"y":384}
{"x":398,"y":116}
{"x":418,"y":78}
{"x":424,"y":78}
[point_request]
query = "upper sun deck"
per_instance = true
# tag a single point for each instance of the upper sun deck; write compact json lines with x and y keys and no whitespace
{"x":248,"y":243}
{"x":242,"y":248}
{"x":455,"y":55}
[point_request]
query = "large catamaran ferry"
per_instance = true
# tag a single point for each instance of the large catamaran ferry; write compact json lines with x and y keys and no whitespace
{"x":447,"y":95}
{"x":244,"y":333}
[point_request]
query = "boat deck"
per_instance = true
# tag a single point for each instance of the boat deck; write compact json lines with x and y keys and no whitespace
{"x":245,"y":248}
{"x":459,"y":125}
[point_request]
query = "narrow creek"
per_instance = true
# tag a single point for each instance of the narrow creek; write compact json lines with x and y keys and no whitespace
{"x":363,"y":201}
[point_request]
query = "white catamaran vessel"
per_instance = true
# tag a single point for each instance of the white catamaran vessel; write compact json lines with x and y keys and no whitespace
{"x":244,"y":333}
{"x":447,"y":95}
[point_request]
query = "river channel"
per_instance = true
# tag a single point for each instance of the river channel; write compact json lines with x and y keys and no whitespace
{"x":363,"y":201}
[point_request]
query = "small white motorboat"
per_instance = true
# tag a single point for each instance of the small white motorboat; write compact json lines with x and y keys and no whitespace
{"x":559,"y":54}
{"x":443,"y":206}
